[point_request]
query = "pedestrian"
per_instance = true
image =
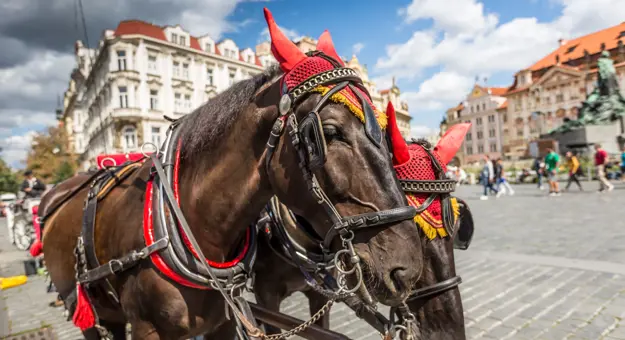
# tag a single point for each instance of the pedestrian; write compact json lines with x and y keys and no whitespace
{"x":487,"y":176}
{"x":623,"y":165}
{"x":32,"y":186}
{"x":573,"y":165}
{"x":503,"y":186}
{"x":539,"y":166}
{"x":601,"y":160}
{"x":551,"y":169}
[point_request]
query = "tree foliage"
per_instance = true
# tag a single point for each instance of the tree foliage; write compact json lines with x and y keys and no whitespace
{"x":8,"y":179}
{"x":49,"y":157}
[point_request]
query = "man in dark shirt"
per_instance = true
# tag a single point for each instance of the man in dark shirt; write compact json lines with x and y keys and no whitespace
{"x":601,"y":160}
{"x":32,"y":186}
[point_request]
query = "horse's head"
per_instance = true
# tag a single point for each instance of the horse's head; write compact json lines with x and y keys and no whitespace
{"x":332,"y":164}
{"x":444,"y":222}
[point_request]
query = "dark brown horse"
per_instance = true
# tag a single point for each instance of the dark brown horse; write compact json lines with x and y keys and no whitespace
{"x":438,"y":306}
{"x":226,"y":176}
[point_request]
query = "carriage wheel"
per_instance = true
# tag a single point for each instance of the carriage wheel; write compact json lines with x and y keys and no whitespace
{"x":22,"y":232}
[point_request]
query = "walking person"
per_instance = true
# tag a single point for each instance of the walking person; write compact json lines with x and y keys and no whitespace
{"x":503,"y":186}
{"x":623,"y":165}
{"x":601,"y":160}
{"x":551,"y":168}
{"x":573,"y":165}
{"x":487,"y":177}
{"x":539,"y":166}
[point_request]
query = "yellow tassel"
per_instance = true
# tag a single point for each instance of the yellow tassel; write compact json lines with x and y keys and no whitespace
{"x":339,"y":98}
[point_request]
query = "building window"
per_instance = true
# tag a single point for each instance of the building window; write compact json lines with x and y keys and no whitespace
{"x":209,"y":76}
{"x":129,"y":138}
{"x":123,"y":96}
{"x":121,"y":60}
{"x":480,"y":149}
{"x":231,"y":75}
{"x":187,"y":102}
{"x":154,"y":99}
{"x":174,"y":38}
{"x":468,"y":136}
{"x":176,"y":69}
{"x":478,"y":121}
{"x":178,"y":102}
{"x":505,"y":117}
{"x":156,"y":136}
{"x":183,"y":40}
{"x":519,"y":132}
{"x":559,"y":98}
{"x":484,"y":106}
{"x":208,"y":47}
{"x":480,"y":135}
{"x":250,"y":58}
{"x":491,"y":118}
{"x":493,"y":148}
{"x":152,"y":64}
{"x":491,"y":133}
{"x":469,"y":150}
{"x":185,"y":71}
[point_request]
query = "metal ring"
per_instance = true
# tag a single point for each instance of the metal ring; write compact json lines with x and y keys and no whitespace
{"x":148,"y":143}
{"x":105,"y":159}
{"x":337,"y":260}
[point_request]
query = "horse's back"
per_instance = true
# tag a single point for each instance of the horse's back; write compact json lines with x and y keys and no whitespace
{"x":61,"y":192}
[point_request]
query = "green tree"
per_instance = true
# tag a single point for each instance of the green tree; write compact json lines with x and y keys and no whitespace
{"x":8,"y":178}
{"x":49,"y":158}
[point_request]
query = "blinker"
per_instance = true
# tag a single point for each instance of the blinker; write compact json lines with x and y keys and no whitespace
{"x":285,"y":104}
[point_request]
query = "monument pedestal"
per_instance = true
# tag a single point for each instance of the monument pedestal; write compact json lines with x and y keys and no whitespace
{"x":606,"y":135}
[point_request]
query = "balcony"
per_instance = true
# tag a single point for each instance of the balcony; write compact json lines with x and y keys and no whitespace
{"x":125,"y":74}
{"x":126,"y":112}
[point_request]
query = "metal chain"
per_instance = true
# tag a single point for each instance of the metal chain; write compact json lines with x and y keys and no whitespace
{"x":320,"y":78}
{"x":303,"y":326}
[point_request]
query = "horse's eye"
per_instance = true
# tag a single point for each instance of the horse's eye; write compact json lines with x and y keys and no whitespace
{"x":332,"y":133}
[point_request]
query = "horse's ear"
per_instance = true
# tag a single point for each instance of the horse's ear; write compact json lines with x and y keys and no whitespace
{"x":326,"y":46}
{"x":448,"y":145}
{"x":282,"y":48}
{"x":400,"y":149}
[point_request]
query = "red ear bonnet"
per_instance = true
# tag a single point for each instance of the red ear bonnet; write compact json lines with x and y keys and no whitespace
{"x":283,"y":49}
{"x":326,"y":46}
{"x":448,"y":145}
{"x":400,"y":149}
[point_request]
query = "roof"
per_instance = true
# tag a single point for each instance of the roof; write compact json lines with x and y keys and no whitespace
{"x":385,"y":91}
{"x":140,"y":27}
{"x":574,"y":49}
{"x":503,"y":105}
{"x":497,"y":91}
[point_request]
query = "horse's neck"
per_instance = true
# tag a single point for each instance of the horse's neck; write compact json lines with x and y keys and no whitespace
{"x":222,"y":191}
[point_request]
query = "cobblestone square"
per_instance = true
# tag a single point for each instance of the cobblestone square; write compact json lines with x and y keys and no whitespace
{"x":539,"y":268}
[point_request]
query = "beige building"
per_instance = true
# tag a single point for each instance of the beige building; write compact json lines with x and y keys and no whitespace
{"x":482,"y":109}
{"x":552,"y":89}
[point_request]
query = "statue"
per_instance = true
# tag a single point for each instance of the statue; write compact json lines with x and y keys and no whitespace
{"x":603,"y":105}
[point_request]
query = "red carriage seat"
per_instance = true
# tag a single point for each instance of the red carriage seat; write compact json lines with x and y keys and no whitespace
{"x":115,"y":159}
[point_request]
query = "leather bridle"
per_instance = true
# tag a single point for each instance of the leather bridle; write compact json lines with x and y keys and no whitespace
{"x":309,"y":143}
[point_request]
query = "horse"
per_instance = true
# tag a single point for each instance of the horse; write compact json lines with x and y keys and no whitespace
{"x":435,"y":304}
{"x":218,"y":168}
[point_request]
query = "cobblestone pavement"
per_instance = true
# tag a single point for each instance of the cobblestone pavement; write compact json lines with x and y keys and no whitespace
{"x":539,"y":268}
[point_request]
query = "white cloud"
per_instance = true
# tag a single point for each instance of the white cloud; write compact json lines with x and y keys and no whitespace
{"x":419,"y":131}
{"x":452,"y":16}
{"x":357,"y":47}
{"x":467,"y":41}
{"x":291,"y":34}
{"x":15,"y":148}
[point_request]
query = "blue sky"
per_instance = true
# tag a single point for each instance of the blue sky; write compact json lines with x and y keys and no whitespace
{"x":435,"y":48}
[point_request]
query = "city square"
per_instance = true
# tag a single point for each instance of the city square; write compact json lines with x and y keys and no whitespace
{"x":538,"y":268}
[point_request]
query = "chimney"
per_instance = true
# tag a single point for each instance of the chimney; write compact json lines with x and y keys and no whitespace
{"x":562,"y":42}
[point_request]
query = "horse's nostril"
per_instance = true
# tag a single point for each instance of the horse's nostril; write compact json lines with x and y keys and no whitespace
{"x":400,"y":278}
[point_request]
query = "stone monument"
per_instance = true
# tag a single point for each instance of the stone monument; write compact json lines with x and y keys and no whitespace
{"x":600,"y":118}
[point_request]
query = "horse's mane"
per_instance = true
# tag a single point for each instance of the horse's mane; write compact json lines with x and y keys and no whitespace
{"x":209,"y":122}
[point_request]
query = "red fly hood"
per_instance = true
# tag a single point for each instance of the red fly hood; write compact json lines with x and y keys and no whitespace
{"x":298,"y":67}
{"x":419,"y":167}
{"x":398,"y":145}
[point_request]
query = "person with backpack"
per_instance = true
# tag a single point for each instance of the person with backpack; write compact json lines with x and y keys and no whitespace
{"x":539,"y":167}
{"x":574,"y":169}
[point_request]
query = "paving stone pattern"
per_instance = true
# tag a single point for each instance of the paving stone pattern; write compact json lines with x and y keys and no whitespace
{"x":539,"y":268}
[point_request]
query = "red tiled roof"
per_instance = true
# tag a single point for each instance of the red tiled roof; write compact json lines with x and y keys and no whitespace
{"x":258,"y":62}
{"x":574,"y":49}
{"x":385,"y":91}
{"x":140,"y":27}
{"x":498,"y":91}
{"x":503,"y":105}
{"x":157,"y":32}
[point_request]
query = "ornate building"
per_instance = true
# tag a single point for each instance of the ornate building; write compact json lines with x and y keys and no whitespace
{"x":482,"y":108}
{"x":119,"y":92}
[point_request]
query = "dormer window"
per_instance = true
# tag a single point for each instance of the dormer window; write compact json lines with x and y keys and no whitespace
{"x":250,"y":58}
{"x":174,"y":38}
{"x":208,"y":47}
{"x":183,"y":40}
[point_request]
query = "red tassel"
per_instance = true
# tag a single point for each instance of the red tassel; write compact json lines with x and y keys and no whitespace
{"x":83,"y":318}
{"x":36,"y":249}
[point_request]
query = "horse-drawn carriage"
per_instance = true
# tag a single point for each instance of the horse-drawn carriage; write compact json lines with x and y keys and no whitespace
{"x":168,"y":242}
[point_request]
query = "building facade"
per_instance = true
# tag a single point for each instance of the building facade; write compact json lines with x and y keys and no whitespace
{"x":482,"y":108}
{"x":553,"y":88}
{"x":119,"y":92}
